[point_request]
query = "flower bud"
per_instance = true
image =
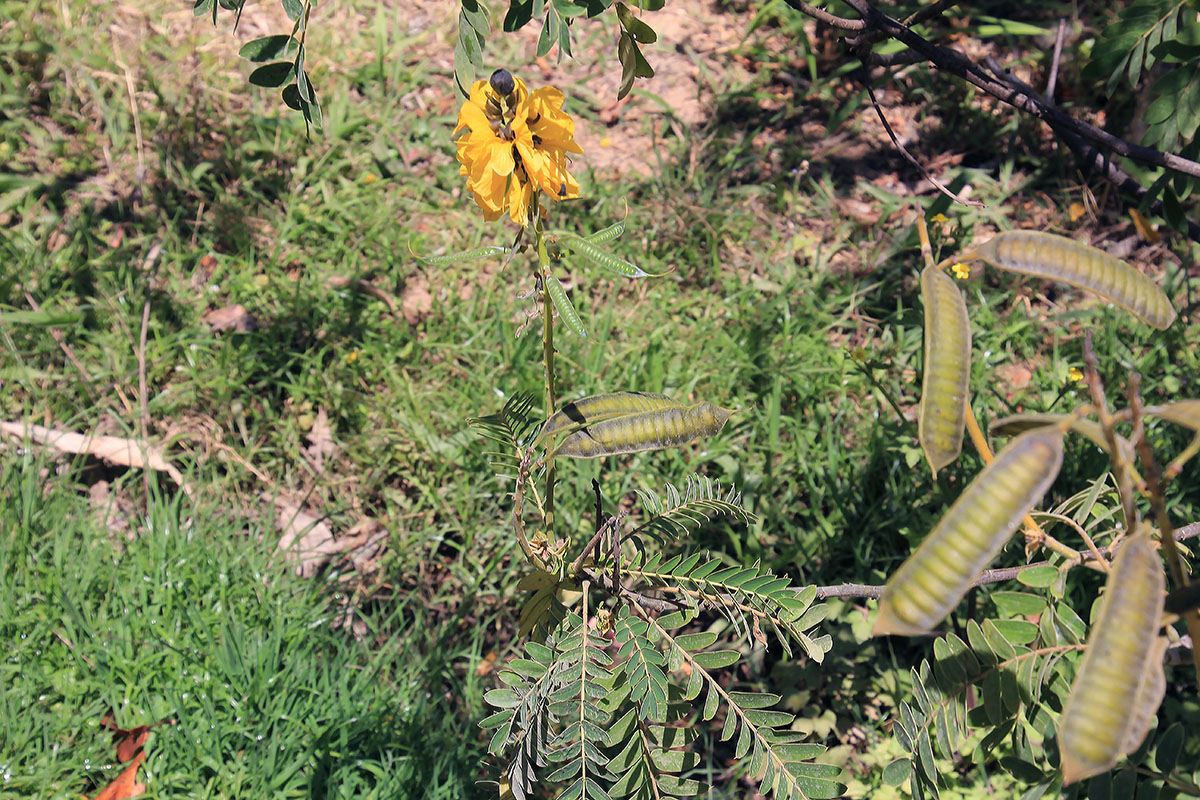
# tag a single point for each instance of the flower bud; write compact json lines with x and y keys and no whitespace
{"x":502,"y":82}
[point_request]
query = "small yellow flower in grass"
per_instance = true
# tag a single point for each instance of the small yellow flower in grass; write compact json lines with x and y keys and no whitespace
{"x":352,"y":356}
{"x":961,"y":271}
{"x":939,"y":218}
{"x":512,"y":143}
{"x":1075,"y":374}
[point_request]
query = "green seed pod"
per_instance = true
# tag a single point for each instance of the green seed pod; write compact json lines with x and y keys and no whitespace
{"x":566,"y":311}
{"x":1150,"y":696}
{"x":930,"y":583}
{"x":601,"y":407}
{"x":1099,"y":719}
{"x":607,"y":234}
{"x":588,"y":250}
{"x":468,"y":255}
{"x":647,"y":430}
{"x":1045,"y":255}
{"x":1088,"y":428}
{"x":1184,"y":412}
{"x":947,"y":369}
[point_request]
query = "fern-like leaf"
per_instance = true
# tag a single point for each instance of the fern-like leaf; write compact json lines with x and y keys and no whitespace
{"x":749,"y":597}
{"x":512,"y":427}
{"x":676,"y":514}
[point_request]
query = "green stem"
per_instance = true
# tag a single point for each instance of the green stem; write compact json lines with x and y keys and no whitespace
{"x":548,"y":356}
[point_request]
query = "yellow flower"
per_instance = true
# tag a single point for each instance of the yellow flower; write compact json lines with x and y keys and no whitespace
{"x":1075,"y":374}
{"x":961,"y":271}
{"x":512,"y":143}
{"x":938,"y":218}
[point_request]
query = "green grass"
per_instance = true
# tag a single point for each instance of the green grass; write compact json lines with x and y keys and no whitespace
{"x":773,"y":291}
{"x":194,"y":620}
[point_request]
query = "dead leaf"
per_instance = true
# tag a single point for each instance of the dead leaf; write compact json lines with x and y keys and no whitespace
{"x":320,"y":439}
{"x":125,"y":785}
{"x":306,"y":539}
{"x":230,"y":318}
{"x":1076,"y":211}
{"x":133,"y":453}
{"x":1144,"y":228}
{"x":416,"y":301}
{"x":128,"y":741}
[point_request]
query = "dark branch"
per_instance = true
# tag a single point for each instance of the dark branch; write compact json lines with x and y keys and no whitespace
{"x":954,"y":62}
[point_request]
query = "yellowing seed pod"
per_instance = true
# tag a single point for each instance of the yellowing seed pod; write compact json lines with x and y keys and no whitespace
{"x":947,"y":369}
{"x":1045,"y":255}
{"x":648,"y":430}
{"x":1149,"y":698}
{"x":1088,"y":428}
{"x":1116,"y":684}
{"x":930,"y":583}
{"x":1183,"y":412}
{"x":599,"y":407}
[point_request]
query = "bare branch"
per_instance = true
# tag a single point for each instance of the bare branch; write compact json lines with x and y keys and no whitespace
{"x":1052,"y":81}
{"x":909,"y":156}
{"x":821,"y":15}
{"x":952,"y":61}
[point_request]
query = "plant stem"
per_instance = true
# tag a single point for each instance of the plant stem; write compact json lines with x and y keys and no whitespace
{"x":548,"y":357}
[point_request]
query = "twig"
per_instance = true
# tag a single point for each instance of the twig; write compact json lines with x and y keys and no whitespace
{"x":57,"y":334}
{"x":143,"y":391}
{"x":821,"y":15}
{"x":1154,"y":492}
{"x":866,"y":78}
{"x":1089,"y":154}
{"x":1052,"y":81}
{"x":1096,"y":388}
{"x":641,"y":600}
{"x":952,"y":61}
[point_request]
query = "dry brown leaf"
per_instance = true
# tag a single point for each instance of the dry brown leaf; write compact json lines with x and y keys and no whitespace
{"x":133,"y":453}
{"x":1144,"y":228}
{"x":320,"y":439}
{"x":129,"y":741}
{"x":230,"y":318}
{"x":306,"y":539}
{"x":125,"y":785}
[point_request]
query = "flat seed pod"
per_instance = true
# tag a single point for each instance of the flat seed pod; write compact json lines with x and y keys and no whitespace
{"x":566,"y":311}
{"x":646,"y":430}
{"x":1045,"y":255}
{"x":1098,"y":721}
{"x":930,"y":583}
{"x":600,"y":407}
{"x":607,"y":234}
{"x":1150,"y":697}
{"x":947,"y":369}
{"x":468,"y":255}
{"x":591,"y":252}
{"x":1088,"y":428}
{"x":1184,"y":412}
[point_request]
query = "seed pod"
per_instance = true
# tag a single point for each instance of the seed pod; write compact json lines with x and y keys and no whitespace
{"x":1115,"y":685}
{"x":935,"y":577}
{"x":1045,"y":255}
{"x":468,"y":255}
{"x":1088,"y":428}
{"x":1184,"y":412}
{"x":1149,"y":698}
{"x":566,"y":311}
{"x":600,"y":407}
{"x":947,"y":369}
{"x":591,"y":252}
{"x":607,"y":234}
{"x":646,"y":430}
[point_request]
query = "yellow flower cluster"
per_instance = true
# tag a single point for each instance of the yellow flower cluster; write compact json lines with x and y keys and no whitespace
{"x":513,"y":143}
